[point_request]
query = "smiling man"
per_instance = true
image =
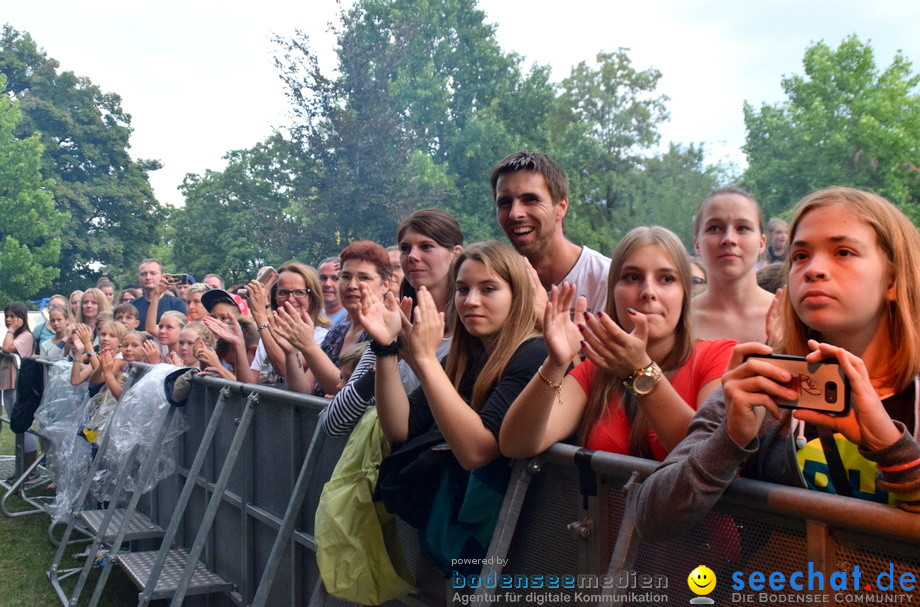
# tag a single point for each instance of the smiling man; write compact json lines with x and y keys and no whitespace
{"x":531,"y":195}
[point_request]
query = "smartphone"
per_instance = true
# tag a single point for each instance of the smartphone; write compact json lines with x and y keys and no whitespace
{"x":822,"y":386}
{"x":267,"y":277}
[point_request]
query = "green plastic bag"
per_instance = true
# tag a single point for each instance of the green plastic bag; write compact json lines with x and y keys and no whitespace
{"x":357,"y":549}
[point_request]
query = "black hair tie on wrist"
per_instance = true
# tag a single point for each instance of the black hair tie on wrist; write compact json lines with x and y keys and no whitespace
{"x":391,"y":349}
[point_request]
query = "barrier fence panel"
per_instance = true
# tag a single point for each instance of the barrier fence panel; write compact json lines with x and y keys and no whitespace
{"x":566,"y":517}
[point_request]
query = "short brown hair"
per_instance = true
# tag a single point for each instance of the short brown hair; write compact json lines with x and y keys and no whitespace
{"x":556,"y":181}
{"x":367,"y":250}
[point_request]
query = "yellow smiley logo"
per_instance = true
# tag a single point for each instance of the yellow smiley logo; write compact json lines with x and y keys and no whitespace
{"x":702,"y":580}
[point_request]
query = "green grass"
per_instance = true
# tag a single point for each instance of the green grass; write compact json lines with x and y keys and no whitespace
{"x":27,"y":553}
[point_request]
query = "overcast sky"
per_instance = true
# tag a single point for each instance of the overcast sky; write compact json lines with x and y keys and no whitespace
{"x":198,"y":77}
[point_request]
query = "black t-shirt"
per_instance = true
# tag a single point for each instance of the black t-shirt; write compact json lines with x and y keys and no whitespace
{"x":520,"y":370}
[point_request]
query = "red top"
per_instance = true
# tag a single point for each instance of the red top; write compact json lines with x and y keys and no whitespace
{"x":708,"y":361}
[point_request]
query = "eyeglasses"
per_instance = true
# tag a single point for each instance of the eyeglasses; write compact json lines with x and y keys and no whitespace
{"x":297,"y":293}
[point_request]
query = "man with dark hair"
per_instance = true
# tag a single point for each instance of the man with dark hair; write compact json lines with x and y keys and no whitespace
{"x":149,"y":274}
{"x":531,"y":195}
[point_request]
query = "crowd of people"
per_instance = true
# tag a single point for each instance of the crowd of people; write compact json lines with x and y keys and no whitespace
{"x":501,"y":351}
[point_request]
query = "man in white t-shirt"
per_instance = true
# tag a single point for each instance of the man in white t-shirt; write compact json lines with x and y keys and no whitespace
{"x":531,"y":195}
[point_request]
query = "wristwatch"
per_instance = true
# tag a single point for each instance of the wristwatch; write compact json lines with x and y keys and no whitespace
{"x":643,"y":381}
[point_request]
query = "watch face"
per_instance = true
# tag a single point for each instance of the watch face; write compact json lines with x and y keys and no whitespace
{"x":644,"y":384}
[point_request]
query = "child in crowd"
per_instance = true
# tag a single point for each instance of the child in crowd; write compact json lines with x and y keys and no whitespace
{"x":58,"y":321}
{"x":86,"y":364}
{"x":854,"y":300}
{"x":171,"y":324}
{"x":347,"y":363}
{"x":192,"y":335}
{"x":126,"y":314}
{"x":645,"y":374}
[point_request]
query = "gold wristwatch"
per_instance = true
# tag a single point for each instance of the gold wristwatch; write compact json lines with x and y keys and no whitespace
{"x":643,"y":381}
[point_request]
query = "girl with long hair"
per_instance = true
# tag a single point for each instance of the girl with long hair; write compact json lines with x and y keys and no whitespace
{"x":853,"y":299}
{"x":494,"y":352}
{"x":646,"y":373}
{"x":728,"y":234}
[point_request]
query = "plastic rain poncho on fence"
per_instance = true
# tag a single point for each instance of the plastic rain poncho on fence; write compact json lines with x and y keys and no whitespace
{"x":137,"y":421}
{"x":58,"y":419}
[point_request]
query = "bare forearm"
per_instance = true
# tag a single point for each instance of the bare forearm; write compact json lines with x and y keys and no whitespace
{"x":325,"y":372}
{"x":392,"y":401}
{"x":473,"y":444}
{"x":273,"y":351}
{"x":150,"y":321}
{"x":524,"y":429}
{"x":296,"y":378}
{"x":668,"y":414}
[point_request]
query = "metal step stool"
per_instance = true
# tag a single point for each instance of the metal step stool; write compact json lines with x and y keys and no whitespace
{"x":139,"y":526}
{"x":138,"y":566}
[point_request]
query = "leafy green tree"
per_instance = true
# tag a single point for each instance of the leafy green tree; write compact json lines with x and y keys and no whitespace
{"x":236,"y":220}
{"x":425,"y":102}
{"x":844,"y":122}
{"x":31,"y":228}
{"x":114,"y":217}
{"x":607,"y":117}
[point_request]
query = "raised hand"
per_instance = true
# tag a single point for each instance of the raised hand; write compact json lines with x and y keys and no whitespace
{"x":563,"y":339}
{"x":151,"y":351}
{"x":611,"y":347}
{"x":427,"y":328}
{"x":85,"y":336}
{"x":382,"y":320}
{"x":161,"y":287}
{"x":867,"y":423}
{"x":773,"y":324}
{"x":259,"y":306}
{"x":232,"y":334}
{"x":107,"y":362}
{"x":206,"y":355}
{"x":297,"y":328}
{"x":750,"y":386}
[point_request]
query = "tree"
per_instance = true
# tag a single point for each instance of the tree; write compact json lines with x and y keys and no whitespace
{"x":608,"y":115}
{"x":237,"y":220}
{"x":844,"y":123}
{"x":31,"y":228}
{"x":113,"y":216}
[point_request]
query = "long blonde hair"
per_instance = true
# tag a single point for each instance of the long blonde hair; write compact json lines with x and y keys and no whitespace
{"x":505,"y":263}
{"x":101,"y":299}
{"x":900,"y":242}
{"x":605,"y":382}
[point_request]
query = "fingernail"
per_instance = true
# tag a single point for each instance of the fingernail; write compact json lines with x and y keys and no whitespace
{"x":581,"y":327}
{"x":631,"y":311}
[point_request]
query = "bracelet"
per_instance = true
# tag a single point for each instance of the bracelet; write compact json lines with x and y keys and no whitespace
{"x":382,"y":350}
{"x":262,"y":326}
{"x":555,"y":386}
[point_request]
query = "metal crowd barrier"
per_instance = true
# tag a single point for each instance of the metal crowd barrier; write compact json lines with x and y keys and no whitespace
{"x":565,"y":534}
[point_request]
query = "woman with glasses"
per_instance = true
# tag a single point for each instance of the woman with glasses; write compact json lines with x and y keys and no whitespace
{"x":363,"y":262}
{"x":298,"y":287}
